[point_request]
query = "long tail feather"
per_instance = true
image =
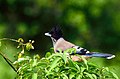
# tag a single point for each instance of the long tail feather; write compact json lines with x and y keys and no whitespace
{"x":103,"y":55}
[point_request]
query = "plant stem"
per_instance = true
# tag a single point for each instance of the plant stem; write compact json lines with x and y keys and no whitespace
{"x":8,"y":61}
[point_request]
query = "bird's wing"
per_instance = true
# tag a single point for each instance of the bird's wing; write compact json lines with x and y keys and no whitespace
{"x":62,"y":45}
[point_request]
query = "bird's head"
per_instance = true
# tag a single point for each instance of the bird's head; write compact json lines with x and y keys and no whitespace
{"x":55,"y":33}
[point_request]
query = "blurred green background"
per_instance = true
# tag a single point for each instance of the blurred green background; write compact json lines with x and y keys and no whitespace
{"x":92,"y":24}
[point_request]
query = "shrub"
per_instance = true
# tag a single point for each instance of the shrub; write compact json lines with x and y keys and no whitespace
{"x":59,"y":66}
{"x":55,"y":66}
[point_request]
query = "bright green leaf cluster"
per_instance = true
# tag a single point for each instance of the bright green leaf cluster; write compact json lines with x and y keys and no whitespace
{"x":59,"y":66}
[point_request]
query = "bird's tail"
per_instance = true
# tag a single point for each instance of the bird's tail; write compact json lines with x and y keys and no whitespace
{"x":102,"y":55}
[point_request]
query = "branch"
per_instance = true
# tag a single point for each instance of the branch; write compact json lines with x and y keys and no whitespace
{"x":8,"y":61}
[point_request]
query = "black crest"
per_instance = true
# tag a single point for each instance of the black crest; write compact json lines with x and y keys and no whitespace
{"x":56,"y":32}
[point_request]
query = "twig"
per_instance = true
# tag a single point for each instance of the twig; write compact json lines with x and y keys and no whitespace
{"x":8,"y":61}
{"x":8,"y":39}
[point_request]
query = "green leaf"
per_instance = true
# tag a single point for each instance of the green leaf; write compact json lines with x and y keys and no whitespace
{"x":34,"y":62}
{"x":79,"y":77}
{"x":0,"y":43}
{"x":64,"y":57}
{"x":55,"y":55}
{"x":72,"y":75}
{"x":85,"y":61}
{"x":64,"y":76}
{"x":78,"y":68}
{"x":106,"y":68}
{"x":94,"y":76}
{"x":82,"y":69}
{"x":54,"y":63}
{"x":47,"y":54}
{"x":71,"y":63}
{"x":70,"y":50}
{"x":42,"y":64}
{"x":34,"y":76}
{"x":89,"y":75}
{"x":114,"y":75}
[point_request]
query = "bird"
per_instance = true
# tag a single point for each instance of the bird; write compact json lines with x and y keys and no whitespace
{"x":59,"y":43}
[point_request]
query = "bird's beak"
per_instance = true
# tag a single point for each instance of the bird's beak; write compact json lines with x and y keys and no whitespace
{"x":47,"y":34}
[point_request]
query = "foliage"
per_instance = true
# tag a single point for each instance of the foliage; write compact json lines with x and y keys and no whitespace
{"x":53,"y":65}
{"x":59,"y":66}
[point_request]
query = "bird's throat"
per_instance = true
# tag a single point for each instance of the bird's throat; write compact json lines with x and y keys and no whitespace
{"x":54,"y":41}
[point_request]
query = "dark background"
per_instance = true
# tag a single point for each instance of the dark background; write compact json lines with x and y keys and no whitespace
{"x":92,"y":24}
